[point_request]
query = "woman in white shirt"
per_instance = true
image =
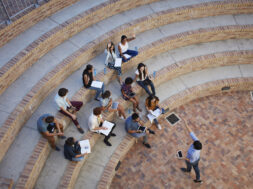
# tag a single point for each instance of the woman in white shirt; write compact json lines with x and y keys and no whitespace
{"x":143,"y":79}
{"x":111,"y":58}
{"x":124,"y":52}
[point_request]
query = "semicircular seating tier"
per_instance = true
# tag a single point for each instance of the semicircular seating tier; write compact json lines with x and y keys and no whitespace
{"x":172,"y":102}
{"x":141,"y":58}
{"x":17,"y":65}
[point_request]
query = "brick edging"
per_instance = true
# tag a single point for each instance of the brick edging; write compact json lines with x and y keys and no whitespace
{"x":183,"y":97}
{"x":28,"y":105}
{"x":6,"y":183}
{"x":15,"y":67}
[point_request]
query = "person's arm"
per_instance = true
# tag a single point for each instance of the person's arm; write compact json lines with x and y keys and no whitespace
{"x":52,"y":134}
{"x":57,"y":124}
{"x":136,"y":77}
{"x":65,"y":111}
{"x":80,"y":155}
{"x":193,"y":136}
{"x":132,"y":38}
{"x":85,"y":79}
{"x":70,"y":105}
{"x":120,"y":52}
{"x":109,"y":104}
{"x":133,"y":131}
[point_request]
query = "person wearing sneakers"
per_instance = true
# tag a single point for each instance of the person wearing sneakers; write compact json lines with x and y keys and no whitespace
{"x":72,"y":150}
{"x":132,"y":126}
{"x":68,"y":108}
{"x":95,"y":124}
{"x":124,"y":52}
{"x":107,"y":105}
{"x":87,"y":81}
{"x":152,"y":104}
{"x":49,"y":127}
{"x":193,"y":155}
{"x":128,"y":94}
{"x":143,"y":79}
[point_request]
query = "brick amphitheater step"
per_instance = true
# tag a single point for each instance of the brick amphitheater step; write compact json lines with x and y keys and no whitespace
{"x":79,"y":75}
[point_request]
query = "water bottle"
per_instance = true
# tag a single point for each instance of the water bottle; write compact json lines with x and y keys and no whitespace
{"x":154,"y":74}
{"x":95,"y":72}
{"x":136,"y":48}
{"x":129,"y":111}
{"x":105,"y":71}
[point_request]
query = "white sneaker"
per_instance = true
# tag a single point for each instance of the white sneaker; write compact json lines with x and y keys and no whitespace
{"x":121,"y":117}
{"x":159,"y":127}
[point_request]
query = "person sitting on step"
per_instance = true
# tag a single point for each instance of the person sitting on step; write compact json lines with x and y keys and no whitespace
{"x":72,"y":150}
{"x":49,"y":127}
{"x":124,"y":52}
{"x":96,"y":124}
{"x":111,"y":58}
{"x":87,"y":81}
{"x":135,"y":127}
{"x":108,"y":105}
{"x":68,"y":108}
{"x":143,"y":79}
{"x":128,"y":94}
{"x":152,"y":104}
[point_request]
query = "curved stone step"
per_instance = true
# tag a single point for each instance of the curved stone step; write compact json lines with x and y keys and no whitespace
{"x":57,"y":35}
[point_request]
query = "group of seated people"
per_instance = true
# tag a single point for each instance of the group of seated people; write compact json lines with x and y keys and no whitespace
{"x":49,"y":126}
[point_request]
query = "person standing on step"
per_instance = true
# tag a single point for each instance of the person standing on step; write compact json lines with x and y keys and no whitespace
{"x":111,"y":59}
{"x":132,"y":126}
{"x":72,"y":150}
{"x":152,"y":104}
{"x":128,"y":94}
{"x":108,"y":105}
{"x":49,"y":127}
{"x":193,"y":155}
{"x":96,"y":124}
{"x":87,"y":81}
{"x":124,"y":52}
{"x":143,"y":79}
{"x":68,"y":108}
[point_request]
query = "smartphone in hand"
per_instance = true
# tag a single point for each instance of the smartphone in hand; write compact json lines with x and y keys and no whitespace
{"x":179,"y":154}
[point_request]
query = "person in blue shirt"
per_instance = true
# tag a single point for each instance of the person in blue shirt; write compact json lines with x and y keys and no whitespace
{"x":193,"y":155}
{"x":132,"y":124}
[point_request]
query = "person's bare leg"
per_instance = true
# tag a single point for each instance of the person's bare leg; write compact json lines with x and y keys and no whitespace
{"x":137,"y":104}
{"x":121,"y":111}
{"x":134,"y":103}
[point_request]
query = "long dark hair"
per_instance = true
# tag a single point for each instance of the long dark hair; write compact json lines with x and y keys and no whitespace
{"x":150,"y":98}
{"x":144,"y":71}
{"x":109,"y":49}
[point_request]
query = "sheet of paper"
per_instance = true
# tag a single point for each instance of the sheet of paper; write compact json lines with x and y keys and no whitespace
{"x":97,"y":84}
{"x":151,"y":117}
{"x":85,"y":146}
{"x":118,"y":62}
{"x":109,"y":127}
{"x":156,"y":113}
{"x":127,"y":56}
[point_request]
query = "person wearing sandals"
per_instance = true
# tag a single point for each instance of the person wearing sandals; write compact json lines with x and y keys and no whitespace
{"x":128,"y":94}
{"x":132,"y":127}
{"x":143,"y":79}
{"x":108,"y":105}
{"x":152,"y":104}
{"x":72,"y":150}
{"x":111,"y":58}
{"x":124,"y":52}
{"x":67,"y":107}
{"x":87,"y":80}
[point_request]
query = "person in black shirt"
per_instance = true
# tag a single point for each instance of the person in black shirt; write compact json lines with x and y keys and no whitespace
{"x":71,"y":151}
{"x":87,"y":80}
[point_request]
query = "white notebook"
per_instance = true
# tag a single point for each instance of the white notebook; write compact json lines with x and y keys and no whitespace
{"x":97,"y":84}
{"x":127,"y":56}
{"x":154,"y":114}
{"x":85,"y":146}
{"x":109,"y":127}
{"x":118,"y":62}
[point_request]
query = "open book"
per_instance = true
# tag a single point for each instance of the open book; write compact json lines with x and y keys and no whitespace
{"x":97,"y":84}
{"x":118,"y":62}
{"x":85,"y":146}
{"x":154,"y":114}
{"x":109,"y":127}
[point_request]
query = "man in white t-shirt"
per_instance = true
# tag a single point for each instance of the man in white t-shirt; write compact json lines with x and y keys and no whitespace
{"x":193,"y":156}
{"x":124,"y":52}
{"x":68,"y":108}
{"x":95,"y":124}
